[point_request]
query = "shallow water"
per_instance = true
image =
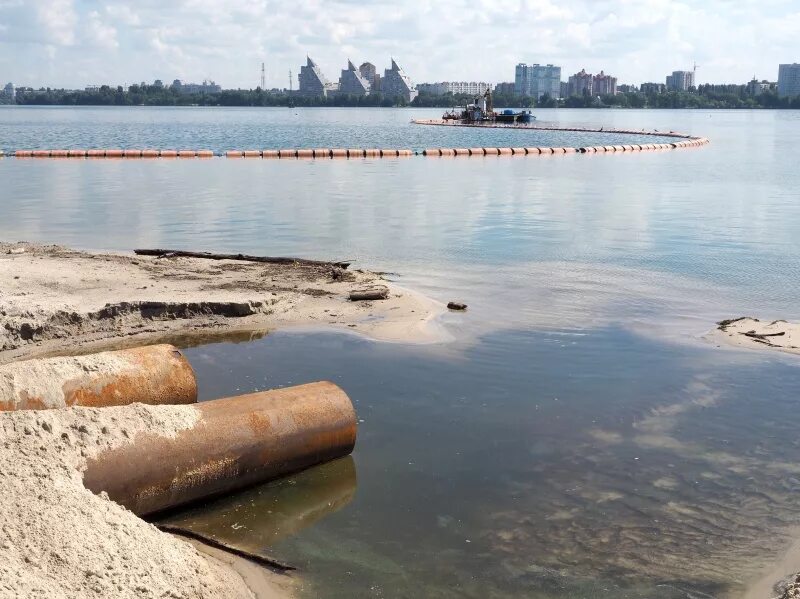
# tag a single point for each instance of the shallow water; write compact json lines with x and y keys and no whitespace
{"x":578,"y":438}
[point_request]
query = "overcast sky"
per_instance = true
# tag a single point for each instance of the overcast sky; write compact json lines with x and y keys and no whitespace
{"x":74,"y":43}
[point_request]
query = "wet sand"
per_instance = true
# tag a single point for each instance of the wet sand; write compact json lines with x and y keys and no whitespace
{"x":53,"y":299}
{"x":752,"y":333}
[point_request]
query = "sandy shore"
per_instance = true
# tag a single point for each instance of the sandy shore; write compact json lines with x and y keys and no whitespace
{"x":53,"y":299}
{"x":752,"y":333}
{"x":57,"y":539}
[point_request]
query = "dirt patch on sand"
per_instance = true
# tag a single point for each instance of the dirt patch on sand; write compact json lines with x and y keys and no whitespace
{"x":53,"y":299}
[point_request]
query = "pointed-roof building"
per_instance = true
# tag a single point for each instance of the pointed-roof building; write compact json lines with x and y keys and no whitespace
{"x":312,"y":81}
{"x":352,"y":82}
{"x":396,"y":83}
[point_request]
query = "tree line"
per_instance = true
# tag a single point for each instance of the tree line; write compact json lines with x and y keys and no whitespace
{"x":705,"y":96}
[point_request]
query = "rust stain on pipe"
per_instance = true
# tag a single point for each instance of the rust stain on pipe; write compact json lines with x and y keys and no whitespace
{"x":237,"y":442}
{"x":155,"y":374}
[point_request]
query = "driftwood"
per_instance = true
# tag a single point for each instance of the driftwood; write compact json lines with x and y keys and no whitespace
{"x":456,"y":306}
{"x":217,"y":544}
{"x":755,"y":335}
{"x":377,"y":293}
{"x":211,"y":256}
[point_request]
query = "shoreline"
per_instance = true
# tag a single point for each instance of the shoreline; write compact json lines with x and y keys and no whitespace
{"x":55,"y":300}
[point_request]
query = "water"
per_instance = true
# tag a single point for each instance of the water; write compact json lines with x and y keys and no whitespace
{"x":221,"y":129}
{"x":578,"y":437}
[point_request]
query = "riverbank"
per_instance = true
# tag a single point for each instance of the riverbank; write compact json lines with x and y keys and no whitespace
{"x":55,"y":300}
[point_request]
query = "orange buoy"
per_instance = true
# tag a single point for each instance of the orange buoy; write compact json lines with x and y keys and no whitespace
{"x":338,"y":153}
{"x":447,"y":151}
{"x":23,"y":154}
{"x":287,"y":153}
{"x":133,"y":153}
{"x":518,"y":151}
{"x":405,"y":153}
{"x":76,"y":153}
{"x":535,"y":151}
{"x":58,"y":154}
{"x":149,"y":153}
{"x":504,"y":152}
{"x":477,"y":152}
{"x":491,"y":151}
{"x":252,"y":154}
{"x":272,"y":154}
{"x":390,"y":153}
{"x":558,"y":151}
{"x":355,"y":153}
{"x":186,"y":153}
{"x":461,"y":151}
{"x":570,"y":150}
{"x":234,"y":154}
{"x":304,"y":153}
{"x":372,"y":153}
{"x":322,"y":153}
{"x":431,"y":152}
{"x":204,"y":153}
{"x":168,"y":153}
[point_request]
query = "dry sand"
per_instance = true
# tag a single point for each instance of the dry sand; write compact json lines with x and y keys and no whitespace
{"x":57,"y":539}
{"x":53,"y":299}
{"x":752,"y":333}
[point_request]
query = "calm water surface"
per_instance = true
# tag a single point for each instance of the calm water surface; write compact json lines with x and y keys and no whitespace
{"x":577,"y":438}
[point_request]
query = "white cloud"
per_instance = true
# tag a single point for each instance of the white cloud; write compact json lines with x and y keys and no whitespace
{"x":636,"y":40}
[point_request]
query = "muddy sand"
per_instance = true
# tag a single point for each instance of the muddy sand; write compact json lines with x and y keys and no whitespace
{"x":54,"y":299}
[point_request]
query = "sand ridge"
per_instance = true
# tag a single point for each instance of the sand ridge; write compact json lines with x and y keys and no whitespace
{"x":53,"y":298}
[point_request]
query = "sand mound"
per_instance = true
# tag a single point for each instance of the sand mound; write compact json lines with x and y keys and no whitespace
{"x":57,"y":539}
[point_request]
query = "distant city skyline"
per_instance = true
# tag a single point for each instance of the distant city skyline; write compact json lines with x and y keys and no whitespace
{"x":76,"y":43}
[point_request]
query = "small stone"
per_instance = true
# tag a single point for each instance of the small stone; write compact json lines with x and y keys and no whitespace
{"x":47,"y":426}
{"x":456,"y":306}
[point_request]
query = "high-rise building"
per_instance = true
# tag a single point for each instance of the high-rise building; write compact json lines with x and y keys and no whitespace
{"x":680,"y":81}
{"x":789,"y":80}
{"x":207,"y":87}
{"x":396,"y":83}
{"x":369,"y":72}
{"x":537,"y":80}
{"x":352,"y":82}
{"x":312,"y":81}
{"x":9,"y":93}
{"x":604,"y":85}
{"x":473,"y":88}
{"x":652,"y":88}
{"x":504,"y":89}
{"x":580,"y":84}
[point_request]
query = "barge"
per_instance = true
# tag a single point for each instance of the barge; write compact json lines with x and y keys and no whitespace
{"x":481,"y":111}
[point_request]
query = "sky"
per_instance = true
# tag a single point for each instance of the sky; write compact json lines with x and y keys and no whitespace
{"x":75,"y":43}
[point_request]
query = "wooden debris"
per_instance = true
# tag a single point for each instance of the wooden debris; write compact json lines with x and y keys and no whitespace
{"x":160,"y":253}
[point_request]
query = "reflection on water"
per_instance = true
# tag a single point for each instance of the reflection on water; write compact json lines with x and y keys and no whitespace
{"x":266,"y":514}
{"x":569,"y":443}
{"x":542,"y":464}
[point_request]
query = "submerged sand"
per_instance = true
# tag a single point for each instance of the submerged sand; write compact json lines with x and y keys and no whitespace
{"x":53,"y":299}
{"x":753,"y":333}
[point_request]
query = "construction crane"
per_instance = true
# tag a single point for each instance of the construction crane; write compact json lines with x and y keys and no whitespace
{"x":290,"y":80}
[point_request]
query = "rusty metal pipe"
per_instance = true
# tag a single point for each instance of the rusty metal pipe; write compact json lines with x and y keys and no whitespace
{"x":154,"y":374}
{"x":236,"y":442}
